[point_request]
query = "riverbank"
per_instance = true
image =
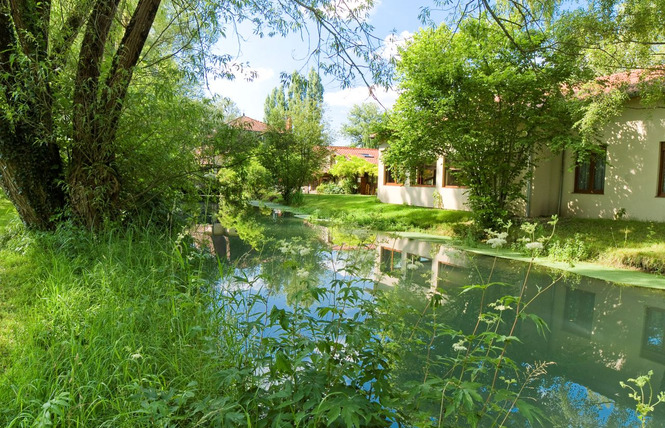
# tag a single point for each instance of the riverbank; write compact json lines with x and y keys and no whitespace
{"x":624,"y":244}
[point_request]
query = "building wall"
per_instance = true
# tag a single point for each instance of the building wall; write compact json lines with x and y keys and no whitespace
{"x":631,"y":175}
{"x":545,"y":185}
{"x":453,"y":198}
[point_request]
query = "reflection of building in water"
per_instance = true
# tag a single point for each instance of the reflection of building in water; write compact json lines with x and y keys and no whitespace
{"x":599,"y":333}
{"x":420,"y":263}
{"x":230,"y":247}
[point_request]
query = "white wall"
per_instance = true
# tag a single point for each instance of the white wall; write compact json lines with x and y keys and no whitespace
{"x":631,"y":175}
{"x":423,"y":196}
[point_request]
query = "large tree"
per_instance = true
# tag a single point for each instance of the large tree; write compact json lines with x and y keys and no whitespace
{"x":294,"y":149}
{"x":486,"y":102}
{"x":365,"y":123}
{"x":66,"y":69}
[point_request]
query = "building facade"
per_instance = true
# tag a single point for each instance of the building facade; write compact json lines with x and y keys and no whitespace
{"x":628,"y":182}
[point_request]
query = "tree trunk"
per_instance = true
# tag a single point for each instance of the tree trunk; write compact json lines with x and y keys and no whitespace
{"x":94,"y":182}
{"x":30,"y":174}
{"x":31,"y":169}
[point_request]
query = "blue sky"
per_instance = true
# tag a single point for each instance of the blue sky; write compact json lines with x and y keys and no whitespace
{"x":271,"y":56}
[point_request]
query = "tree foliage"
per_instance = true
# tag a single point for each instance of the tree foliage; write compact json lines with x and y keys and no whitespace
{"x":292,"y":161}
{"x":297,"y":106}
{"x":293,"y":150}
{"x":67,"y":68}
{"x":353,"y":167}
{"x":487,"y":103}
{"x":364,"y":123}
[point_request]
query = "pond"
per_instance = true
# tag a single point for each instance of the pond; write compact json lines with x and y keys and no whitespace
{"x":596,"y":336}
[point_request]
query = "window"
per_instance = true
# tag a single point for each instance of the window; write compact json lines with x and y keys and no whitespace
{"x":451,"y":175}
{"x":661,"y":173}
{"x":653,"y":339}
{"x":388,"y":176}
{"x":426,"y":176}
{"x":391,"y":260}
{"x":578,"y":312}
{"x":590,"y":175}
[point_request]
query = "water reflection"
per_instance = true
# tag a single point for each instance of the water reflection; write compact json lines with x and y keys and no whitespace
{"x":598,"y":334}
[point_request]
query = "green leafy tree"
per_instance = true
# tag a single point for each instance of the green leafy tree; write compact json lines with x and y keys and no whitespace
{"x":297,"y":106}
{"x":353,"y":167}
{"x":67,"y":68}
{"x":291,"y":161}
{"x":348,"y":170}
{"x":486,"y":102}
{"x":364,"y":123}
{"x":293,"y":151}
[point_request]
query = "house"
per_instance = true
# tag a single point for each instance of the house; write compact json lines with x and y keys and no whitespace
{"x":367,"y":183}
{"x":249,"y":124}
{"x":628,"y":182}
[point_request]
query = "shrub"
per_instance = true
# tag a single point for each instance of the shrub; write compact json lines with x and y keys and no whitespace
{"x":330,"y":188}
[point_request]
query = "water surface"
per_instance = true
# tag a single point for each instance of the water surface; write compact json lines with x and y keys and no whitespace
{"x":598,"y":334}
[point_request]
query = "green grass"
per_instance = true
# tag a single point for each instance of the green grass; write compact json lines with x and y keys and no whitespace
{"x":620,"y":243}
{"x":617,"y":243}
{"x":367,"y":211}
{"x":7,"y":213}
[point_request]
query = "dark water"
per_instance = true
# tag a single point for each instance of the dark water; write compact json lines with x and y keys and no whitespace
{"x":598,"y":334}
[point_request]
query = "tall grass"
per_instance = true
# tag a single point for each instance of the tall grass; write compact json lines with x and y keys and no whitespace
{"x":112,"y":320}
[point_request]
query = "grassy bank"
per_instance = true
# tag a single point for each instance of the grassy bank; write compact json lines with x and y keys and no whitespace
{"x":367,"y":211}
{"x":617,"y":243}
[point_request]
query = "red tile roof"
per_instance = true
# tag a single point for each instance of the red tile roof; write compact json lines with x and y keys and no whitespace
{"x":627,"y":80}
{"x":370,"y":155}
{"x":249,"y":124}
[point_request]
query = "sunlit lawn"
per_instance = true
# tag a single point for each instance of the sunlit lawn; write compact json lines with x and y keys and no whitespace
{"x":624,"y":243}
{"x":368,"y":211}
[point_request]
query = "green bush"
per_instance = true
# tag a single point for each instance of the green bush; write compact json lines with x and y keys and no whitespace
{"x":330,"y":188}
{"x":569,"y":250}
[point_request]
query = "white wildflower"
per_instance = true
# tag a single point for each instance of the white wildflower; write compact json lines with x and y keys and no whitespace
{"x":304,"y":251}
{"x":496,"y":242}
{"x":459,"y":346}
{"x":499,"y":238}
{"x":534,"y":246}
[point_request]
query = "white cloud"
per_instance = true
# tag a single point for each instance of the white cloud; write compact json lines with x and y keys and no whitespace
{"x":358,"y":95}
{"x":392,"y":43}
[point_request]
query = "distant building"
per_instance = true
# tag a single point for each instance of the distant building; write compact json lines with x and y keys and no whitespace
{"x":367,"y":184}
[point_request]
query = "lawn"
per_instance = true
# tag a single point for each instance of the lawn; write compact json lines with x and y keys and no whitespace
{"x":622,"y":243}
{"x":618,"y":243}
{"x":369,"y":212}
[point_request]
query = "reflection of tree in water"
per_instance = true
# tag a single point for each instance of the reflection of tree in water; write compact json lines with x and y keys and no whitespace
{"x":569,"y":404}
{"x":292,"y":267}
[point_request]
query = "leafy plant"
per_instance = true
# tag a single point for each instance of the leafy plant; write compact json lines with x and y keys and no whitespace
{"x":646,"y":402}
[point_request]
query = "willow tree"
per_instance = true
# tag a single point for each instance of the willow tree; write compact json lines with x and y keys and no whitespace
{"x":66,"y":68}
